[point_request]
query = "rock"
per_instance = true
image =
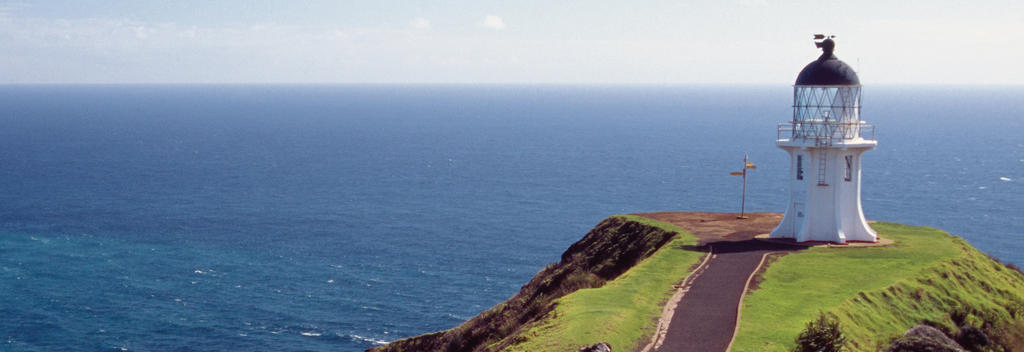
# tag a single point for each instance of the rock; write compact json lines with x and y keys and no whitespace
{"x":928,"y":332}
{"x":923,"y":338}
{"x":920,"y":344}
{"x":597,"y":347}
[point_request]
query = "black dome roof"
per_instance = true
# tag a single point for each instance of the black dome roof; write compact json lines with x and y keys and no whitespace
{"x":827,"y":70}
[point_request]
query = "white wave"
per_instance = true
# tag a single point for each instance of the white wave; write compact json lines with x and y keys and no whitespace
{"x":374,"y":341}
{"x":1007,"y":179}
{"x":456,"y":317}
{"x":310,"y":333}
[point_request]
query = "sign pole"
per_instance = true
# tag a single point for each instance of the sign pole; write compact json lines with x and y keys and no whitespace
{"x":743,"y":200}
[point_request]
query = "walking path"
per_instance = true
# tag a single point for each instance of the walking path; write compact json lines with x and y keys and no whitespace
{"x":702,"y":315}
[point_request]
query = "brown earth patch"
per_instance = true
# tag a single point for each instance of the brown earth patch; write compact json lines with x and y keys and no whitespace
{"x":719,"y":227}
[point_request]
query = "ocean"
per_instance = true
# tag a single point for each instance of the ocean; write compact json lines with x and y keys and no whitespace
{"x":339,"y":217}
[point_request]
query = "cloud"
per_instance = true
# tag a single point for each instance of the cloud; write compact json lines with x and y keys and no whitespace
{"x":493,"y":22}
{"x":141,"y":32}
{"x":420,"y":23}
{"x":753,"y":3}
{"x":188,"y":33}
{"x":7,"y":8}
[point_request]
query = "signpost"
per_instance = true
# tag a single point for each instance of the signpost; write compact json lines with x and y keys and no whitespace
{"x":747,"y":165}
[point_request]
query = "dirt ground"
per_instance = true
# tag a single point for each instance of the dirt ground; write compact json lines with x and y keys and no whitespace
{"x":718,"y":227}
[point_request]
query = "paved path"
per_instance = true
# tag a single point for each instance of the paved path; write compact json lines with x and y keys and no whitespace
{"x":705,"y":319}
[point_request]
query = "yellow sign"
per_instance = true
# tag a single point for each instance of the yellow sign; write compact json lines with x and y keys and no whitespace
{"x":736,"y":173}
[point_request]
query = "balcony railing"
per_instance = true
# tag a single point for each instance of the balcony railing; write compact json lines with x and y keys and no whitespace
{"x":826,"y":131}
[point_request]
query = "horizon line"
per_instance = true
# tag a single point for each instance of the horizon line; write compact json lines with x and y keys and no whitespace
{"x":595,"y":84}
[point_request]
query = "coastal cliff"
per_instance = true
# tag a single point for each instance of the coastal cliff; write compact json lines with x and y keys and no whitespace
{"x":611,"y":286}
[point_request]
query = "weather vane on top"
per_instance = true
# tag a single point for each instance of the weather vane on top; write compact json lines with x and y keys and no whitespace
{"x":819,"y":39}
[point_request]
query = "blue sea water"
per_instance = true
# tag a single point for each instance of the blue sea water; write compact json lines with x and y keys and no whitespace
{"x":334,"y":218}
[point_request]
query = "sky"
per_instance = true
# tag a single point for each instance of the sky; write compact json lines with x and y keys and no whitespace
{"x":525,"y":41}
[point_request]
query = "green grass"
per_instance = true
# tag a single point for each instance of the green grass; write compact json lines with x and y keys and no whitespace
{"x":878,"y":293}
{"x":624,"y":311}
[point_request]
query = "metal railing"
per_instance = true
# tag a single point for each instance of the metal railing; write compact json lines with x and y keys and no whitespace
{"x":826,"y":130}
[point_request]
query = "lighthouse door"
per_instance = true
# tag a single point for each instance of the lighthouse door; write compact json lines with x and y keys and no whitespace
{"x":801,"y":216}
{"x":799,"y":199}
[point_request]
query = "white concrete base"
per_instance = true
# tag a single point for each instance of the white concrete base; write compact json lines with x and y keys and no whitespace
{"x":824,"y":197}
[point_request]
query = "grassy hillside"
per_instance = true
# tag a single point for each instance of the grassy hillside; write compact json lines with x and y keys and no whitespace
{"x":623,"y":312}
{"x":928,"y":276}
{"x":633,"y":260}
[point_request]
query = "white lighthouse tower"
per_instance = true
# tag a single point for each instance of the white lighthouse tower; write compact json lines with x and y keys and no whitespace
{"x":825,"y":141}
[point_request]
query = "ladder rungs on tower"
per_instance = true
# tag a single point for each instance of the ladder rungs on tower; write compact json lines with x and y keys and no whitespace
{"x":822,"y":162}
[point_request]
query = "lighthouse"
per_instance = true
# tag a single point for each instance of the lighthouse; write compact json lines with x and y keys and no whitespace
{"x":825,"y":141}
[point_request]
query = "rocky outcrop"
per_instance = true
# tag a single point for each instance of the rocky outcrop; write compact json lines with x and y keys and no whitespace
{"x":924,"y":338}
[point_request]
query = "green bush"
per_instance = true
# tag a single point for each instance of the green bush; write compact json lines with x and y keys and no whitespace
{"x":821,"y":335}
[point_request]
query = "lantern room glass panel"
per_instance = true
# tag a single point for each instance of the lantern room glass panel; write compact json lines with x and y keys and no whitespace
{"x":826,"y":112}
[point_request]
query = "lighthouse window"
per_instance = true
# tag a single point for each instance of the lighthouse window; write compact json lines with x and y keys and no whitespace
{"x":849,"y":168}
{"x":799,"y":167}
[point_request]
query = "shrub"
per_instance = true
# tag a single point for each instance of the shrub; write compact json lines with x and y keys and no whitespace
{"x":821,"y":335}
{"x":972,"y":338}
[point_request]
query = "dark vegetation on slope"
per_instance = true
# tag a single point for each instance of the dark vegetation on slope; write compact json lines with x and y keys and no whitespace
{"x":607,"y":251}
